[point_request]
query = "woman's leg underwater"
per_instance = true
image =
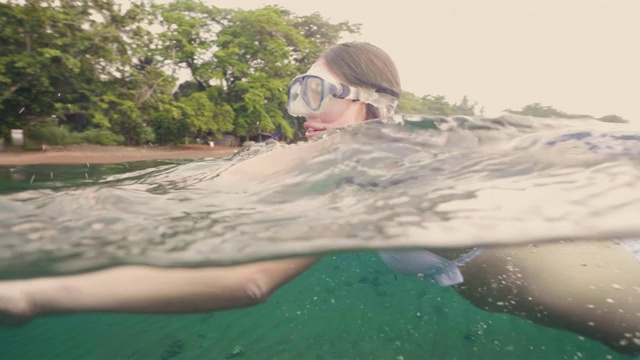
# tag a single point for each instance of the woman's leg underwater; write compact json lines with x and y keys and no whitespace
{"x":588,"y":287}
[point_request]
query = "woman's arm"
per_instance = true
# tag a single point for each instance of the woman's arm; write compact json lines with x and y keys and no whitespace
{"x":143,"y":289}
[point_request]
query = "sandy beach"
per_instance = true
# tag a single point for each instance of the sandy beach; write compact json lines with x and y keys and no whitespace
{"x":96,"y":154}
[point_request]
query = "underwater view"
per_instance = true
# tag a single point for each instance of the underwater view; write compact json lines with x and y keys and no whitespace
{"x":545,"y":201}
{"x":346,"y":307}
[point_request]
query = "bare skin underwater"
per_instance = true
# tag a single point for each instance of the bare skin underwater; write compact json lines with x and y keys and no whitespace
{"x":591,"y":288}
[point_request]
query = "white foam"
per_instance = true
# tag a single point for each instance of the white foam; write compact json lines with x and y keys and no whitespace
{"x":633,"y":245}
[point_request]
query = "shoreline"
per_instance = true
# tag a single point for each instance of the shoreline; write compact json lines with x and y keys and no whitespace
{"x":96,"y":154}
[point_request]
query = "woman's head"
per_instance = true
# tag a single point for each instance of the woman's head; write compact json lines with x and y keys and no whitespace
{"x":350,"y":83}
{"x":367,"y":66}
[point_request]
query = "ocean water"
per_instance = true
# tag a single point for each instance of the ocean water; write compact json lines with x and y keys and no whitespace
{"x":405,"y":181}
{"x":348,"y":306}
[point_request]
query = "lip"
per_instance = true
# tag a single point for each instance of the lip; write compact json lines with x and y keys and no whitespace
{"x":313,"y":130}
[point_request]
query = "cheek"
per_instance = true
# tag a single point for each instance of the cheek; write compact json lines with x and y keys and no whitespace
{"x":333,"y":115}
{"x":339,"y":113}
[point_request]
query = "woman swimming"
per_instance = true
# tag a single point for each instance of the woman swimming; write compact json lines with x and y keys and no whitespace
{"x":563,"y":285}
{"x":350,"y":83}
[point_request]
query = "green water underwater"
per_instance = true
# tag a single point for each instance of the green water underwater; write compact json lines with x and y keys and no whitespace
{"x":348,"y":306}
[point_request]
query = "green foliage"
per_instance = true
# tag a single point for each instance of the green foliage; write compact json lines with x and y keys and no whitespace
{"x":254,"y":63}
{"x":464,"y":107}
{"x":259,"y":52}
{"x":169,"y":124}
{"x":93,"y":65}
{"x":204,"y":116}
{"x":50,"y":133}
{"x":542,"y":111}
{"x":6,"y":125}
{"x":97,"y":67}
{"x":539,"y":110}
{"x":185,"y":89}
{"x":125,"y":118}
{"x":613,"y":119}
{"x":321,"y":35}
{"x":50,"y":52}
{"x":148,"y":136}
{"x":99,"y":137}
{"x":189,"y":33}
{"x":433,"y":105}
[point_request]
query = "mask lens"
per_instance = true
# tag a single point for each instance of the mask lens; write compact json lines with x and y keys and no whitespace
{"x":296,"y":106}
{"x":313,"y":92}
{"x":294,"y":91}
{"x":308,"y":94}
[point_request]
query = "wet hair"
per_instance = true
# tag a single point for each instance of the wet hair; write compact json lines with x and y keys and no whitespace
{"x":364,"y":65}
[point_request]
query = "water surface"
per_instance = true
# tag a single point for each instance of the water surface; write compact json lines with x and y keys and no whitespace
{"x":405,"y":181}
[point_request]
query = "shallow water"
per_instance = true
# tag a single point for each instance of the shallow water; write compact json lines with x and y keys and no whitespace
{"x":405,"y":181}
{"x":346,"y":307}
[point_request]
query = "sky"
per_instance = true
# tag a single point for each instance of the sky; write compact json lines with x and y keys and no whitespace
{"x":579,"y":56}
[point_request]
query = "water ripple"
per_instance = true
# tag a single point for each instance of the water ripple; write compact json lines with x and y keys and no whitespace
{"x":398,"y":182}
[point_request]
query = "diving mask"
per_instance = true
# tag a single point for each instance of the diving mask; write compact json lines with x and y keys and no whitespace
{"x":309,"y":94}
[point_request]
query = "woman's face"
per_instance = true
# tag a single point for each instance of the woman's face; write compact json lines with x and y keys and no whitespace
{"x":338,"y":112}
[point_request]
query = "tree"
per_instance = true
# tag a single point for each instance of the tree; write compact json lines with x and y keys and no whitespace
{"x":464,"y":108}
{"x":203,"y":115}
{"x":259,"y":52}
{"x":92,"y":64}
{"x":40,"y":68}
{"x":321,"y":35}
{"x":84,"y":59}
{"x":188,"y":37}
{"x":433,"y":105}
{"x":169,"y":123}
{"x":539,"y":110}
{"x":613,"y":119}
